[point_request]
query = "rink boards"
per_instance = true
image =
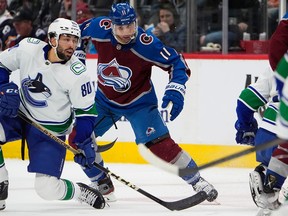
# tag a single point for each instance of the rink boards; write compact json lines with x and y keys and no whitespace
{"x":205,"y":128}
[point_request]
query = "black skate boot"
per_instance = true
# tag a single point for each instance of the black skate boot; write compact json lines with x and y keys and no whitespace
{"x":91,"y":196}
{"x":3,"y":194}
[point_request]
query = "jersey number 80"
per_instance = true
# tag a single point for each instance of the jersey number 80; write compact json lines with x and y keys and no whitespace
{"x":86,"y":89}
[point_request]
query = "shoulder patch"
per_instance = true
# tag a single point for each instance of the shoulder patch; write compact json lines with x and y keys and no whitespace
{"x":146,"y":39}
{"x":78,"y":68}
{"x":105,"y":23}
{"x":33,"y":40}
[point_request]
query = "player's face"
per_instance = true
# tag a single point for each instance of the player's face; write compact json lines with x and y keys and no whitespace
{"x":67,"y":45}
{"x":125,"y":33}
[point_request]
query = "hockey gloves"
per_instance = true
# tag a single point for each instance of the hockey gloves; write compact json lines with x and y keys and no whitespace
{"x":174,"y":93}
{"x":246,"y":132}
{"x":9,"y":99}
{"x":87,"y":156}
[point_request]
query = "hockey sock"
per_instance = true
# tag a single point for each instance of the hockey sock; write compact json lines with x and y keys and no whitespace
{"x":3,"y":170}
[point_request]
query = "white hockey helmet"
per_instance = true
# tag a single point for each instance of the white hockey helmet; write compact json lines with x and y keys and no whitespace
{"x":63,"y":26}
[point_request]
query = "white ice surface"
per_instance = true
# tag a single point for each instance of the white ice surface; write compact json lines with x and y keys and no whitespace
{"x":232,"y":184}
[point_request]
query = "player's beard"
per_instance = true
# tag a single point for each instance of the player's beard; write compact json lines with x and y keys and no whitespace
{"x":61,"y":54}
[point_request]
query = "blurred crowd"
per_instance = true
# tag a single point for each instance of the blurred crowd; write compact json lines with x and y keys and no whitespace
{"x":166,"y":19}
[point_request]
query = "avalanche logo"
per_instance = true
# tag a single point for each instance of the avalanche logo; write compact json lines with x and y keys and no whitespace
{"x":115,"y":76}
{"x":105,"y":23}
{"x":149,"y":131}
{"x":34,"y":87}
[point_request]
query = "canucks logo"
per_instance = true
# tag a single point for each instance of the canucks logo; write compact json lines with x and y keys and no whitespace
{"x":78,"y":68}
{"x":32,"y":88}
{"x":115,"y":75}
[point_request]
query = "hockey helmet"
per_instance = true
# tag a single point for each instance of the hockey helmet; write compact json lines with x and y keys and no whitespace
{"x":122,"y":14}
{"x":63,"y":26}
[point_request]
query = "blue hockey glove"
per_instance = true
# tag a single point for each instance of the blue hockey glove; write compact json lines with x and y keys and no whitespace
{"x":87,"y":156}
{"x":174,"y":93}
{"x":246,"y":133}
{"x":9,"y":99}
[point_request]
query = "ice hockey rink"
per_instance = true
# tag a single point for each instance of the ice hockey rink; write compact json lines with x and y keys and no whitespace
{"x":232,"y":184}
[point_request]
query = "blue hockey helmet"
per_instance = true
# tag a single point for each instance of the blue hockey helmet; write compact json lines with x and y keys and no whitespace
{"x":122,"y":14}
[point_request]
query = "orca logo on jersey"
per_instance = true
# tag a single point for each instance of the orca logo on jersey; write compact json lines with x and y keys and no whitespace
{"x":105,"y":23}
{"x":32,"y":87}
{"x":115,"y":76}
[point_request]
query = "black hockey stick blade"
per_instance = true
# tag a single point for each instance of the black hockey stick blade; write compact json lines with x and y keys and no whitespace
{"x":153,"y":159}
{"x":101,"y":148}
{"x":176,"y":205}
{"x":105,"y":147}
{"x":173,"y":205}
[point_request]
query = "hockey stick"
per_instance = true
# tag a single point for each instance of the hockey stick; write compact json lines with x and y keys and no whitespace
{"x":174,"y":205}
{"x":153,"y":159}
{"x":101,"y":148}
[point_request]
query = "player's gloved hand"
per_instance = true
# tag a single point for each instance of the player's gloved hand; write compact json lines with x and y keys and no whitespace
{"x":9,"y":99}
{"x":174,"y":93}
{"x":246,"y":132}
{"x":87,"y":156}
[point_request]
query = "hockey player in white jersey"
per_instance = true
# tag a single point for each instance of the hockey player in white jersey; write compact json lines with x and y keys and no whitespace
{"x":267,"y":180}
{"x":263,"y":93}
{"x":54,"y":86}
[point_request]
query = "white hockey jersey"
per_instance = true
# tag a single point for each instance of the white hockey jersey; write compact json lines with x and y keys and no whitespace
{"x":48,"y":90}
{"x":263,"y":93}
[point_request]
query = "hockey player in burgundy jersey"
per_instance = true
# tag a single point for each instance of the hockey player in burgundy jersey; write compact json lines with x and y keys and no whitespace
{"x":126,"y":55}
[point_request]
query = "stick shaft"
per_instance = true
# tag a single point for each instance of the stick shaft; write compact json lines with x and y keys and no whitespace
{"x":176,"y":205}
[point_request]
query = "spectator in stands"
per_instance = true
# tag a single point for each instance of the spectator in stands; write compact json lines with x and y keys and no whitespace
{"x":23,"y":24}
{"x":235,"y":34}
{"x":5,"y":21}
{"x":155,"y":6}
{"x":170,"y":30}
{"x":240,"y":13}
{"x":66,"y":8}
{"x":33,"y":5}
{"x":84,"y":12}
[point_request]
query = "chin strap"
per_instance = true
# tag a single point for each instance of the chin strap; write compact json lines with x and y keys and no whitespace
{"x":55,"y":50}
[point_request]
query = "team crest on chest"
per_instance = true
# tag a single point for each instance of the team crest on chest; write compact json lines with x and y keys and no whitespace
{"x":33,"y":87}
{"x":77,"y":68}
{"x":115,"y":75}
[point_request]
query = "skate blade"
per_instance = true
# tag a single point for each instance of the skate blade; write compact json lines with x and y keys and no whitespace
{"x":264,"y":212}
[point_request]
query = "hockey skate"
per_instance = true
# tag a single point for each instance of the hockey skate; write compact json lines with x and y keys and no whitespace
{"x":266,"y":198}
{"x":3,"y":194}
{"x":91,"y":196}
{"x":106,"y":188}
{"x":203,"y":185}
